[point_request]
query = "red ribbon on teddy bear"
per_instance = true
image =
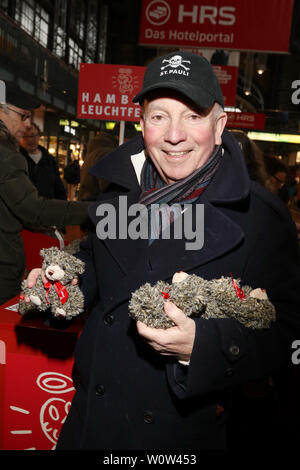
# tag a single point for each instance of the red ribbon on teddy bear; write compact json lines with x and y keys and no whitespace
{"x":60,"y":289}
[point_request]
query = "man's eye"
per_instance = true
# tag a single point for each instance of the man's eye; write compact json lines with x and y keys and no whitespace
{"x":194,"y":117}
{"x":157,"y":117}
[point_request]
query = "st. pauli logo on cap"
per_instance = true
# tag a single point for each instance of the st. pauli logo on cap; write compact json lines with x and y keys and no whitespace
{"x":175,"y":65}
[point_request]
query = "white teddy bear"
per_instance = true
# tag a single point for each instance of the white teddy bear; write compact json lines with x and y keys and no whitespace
{"x":64,"y":299}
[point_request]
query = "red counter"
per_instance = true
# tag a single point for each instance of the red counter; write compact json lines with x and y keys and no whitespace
{"x":36,"y":386}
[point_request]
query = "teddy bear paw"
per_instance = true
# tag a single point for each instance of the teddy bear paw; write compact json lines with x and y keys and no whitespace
{"x":258,"y":293}
{"x":35,"y":300}
{"x":61,"y":312}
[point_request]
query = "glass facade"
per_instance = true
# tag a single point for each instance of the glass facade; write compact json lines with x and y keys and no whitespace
{"x":25,"y":15}
{"x":33,"y":19}
{"x":75,"y":54}
{"x":69,"y":29}
{"x":65,"y":33}
{"x":41,"y":30}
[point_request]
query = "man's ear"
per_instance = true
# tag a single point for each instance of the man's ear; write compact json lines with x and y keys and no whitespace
{"x":219,"y":127}
{"x":142,"y":124}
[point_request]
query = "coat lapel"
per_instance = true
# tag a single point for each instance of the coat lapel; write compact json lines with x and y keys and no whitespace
{"x":219,"y":235}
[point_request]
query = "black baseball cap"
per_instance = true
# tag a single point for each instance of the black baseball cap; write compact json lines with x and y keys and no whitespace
{"x":11,"y":93}
{"x":186,"y":73}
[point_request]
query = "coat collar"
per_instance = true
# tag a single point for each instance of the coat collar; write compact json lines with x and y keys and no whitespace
{"x":230,"y":184}
{"x":117,"y":167}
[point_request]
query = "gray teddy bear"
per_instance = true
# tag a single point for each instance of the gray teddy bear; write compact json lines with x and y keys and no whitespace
{"x":197,"y":297}
{"x":64,"y":299}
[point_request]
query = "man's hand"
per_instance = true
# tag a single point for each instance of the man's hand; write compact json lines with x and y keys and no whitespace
{"x":176,"y":341}
{"x":31,"y":280}
{"x":34,"y":274}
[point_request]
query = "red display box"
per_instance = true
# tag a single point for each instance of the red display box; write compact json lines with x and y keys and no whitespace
{"x":36,"y":378}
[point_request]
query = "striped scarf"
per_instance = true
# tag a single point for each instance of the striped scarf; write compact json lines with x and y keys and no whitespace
{"x":156,"y":191}
{"x":187,"y":190}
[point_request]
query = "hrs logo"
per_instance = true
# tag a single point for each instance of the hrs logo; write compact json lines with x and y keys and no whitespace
{"x":206,"y":13}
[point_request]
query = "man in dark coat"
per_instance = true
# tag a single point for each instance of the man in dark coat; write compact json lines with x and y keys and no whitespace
{"x":42,"y":167}
{"x":145,"y":388}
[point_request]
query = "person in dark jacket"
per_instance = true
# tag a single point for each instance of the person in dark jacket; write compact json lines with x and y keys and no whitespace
{"x":90,"y":186}
{"x":277,"y":174}
{"x":20,"y":204}
{"x":254,"y":157}
{"x":42,"y":167}
{"x":154,"y":389}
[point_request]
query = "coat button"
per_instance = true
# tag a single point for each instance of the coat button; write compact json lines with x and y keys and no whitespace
{"x":228,"y":372}
{"x":148,"y":417}
{"x":234,"y":350}
{"x":109,"y":319}
{"x":99,"y":389}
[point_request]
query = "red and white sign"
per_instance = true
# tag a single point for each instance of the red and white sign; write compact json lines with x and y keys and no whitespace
{"x":36,"y":386}
{"x":105,"y":92}
{"x":227,"y":76}
{"x":38,"y":393}
{"x":246,"y":120}
{"x":220,"y":24}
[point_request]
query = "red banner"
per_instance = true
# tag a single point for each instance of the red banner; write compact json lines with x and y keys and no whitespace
{"x":227,"y":77}
{"x":246,"y":120}
{"x":38,"y":395}
{"x":221,"y":24}
{"x":36,"y":386}
{"x":105,"y":92}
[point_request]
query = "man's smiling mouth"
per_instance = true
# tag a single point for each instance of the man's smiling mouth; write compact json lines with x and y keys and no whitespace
{"x":177,"y":154}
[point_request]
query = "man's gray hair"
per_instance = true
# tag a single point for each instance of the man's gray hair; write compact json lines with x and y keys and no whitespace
{"x":218,"y":109}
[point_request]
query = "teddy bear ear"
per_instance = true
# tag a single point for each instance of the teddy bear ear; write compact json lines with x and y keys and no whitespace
{"x":43,"y":252}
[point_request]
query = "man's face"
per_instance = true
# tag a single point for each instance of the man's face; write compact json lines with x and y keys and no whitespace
{"x":30,"y":140}
{"x":13,"y":121}
{"x":179,"y":139}
{"x":278,"y":180}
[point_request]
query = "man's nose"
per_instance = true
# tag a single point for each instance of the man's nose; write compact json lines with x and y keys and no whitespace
{"x":27,"y":123}
{"x":175,"y":132}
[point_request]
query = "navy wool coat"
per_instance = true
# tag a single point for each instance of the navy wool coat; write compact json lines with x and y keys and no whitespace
{"x":129,"y":396}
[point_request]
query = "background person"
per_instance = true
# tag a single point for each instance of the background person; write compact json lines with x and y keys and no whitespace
{"x":277,"y":174}
{"x":42,"y":168}
{"x":253,"y":156}
{"x":90,"y":186}
{"x":20,"y":203}
{"x":72,"y":176}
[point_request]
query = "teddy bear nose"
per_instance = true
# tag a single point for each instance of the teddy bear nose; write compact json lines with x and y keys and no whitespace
{"x":50,"y":272}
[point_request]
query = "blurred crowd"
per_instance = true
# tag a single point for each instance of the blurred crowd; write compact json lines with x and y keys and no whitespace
{"x":273,"y":173}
